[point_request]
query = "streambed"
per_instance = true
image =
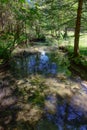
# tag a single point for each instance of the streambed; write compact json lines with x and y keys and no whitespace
{"x":46,"y":98}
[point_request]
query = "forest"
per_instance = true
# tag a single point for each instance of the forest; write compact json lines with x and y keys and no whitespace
{"x":43,"y":64}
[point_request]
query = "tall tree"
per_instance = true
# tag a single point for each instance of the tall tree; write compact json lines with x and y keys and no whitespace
{"x":77,"y":28}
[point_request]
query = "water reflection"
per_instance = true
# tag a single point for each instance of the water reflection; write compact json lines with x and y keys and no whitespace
{"x":66,"y":117}
{"x":58,"y":114}
{"x":32,"y":64}
{"x":44,"y":63}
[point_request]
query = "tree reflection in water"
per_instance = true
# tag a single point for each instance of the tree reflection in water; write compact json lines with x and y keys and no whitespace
{"x":42,"y":64}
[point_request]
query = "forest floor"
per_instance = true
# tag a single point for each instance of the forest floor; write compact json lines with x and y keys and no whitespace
{"x":23,"y":101}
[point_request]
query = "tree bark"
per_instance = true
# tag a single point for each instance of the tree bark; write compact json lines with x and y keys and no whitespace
{"x":77,"y":28}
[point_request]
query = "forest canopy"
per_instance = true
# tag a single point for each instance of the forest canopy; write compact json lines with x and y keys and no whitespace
{"x":22,"y":21}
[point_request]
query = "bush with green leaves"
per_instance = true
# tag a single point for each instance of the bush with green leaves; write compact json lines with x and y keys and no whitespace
{"x":5,"y":50}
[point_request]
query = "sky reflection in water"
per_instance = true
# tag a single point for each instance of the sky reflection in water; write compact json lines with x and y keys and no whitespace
{"x":33,"y":64}
{"x":66,"y":116}
{"x":42,"y":64}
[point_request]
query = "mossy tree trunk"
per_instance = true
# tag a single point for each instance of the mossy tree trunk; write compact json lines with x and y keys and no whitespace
{"x":77,"y":28}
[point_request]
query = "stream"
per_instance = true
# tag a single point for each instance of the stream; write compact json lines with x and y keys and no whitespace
{"x":33,"y":64}
{"x":66,"y":116}
{"x":58,"y":113}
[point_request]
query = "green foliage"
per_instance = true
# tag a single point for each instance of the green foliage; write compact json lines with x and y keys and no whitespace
{"x":62,"y":62}
{"x":37,"y":98}
{"x":79,"y":60}
{"x":38,"y":81}
{"x":5,"y":51}
{"x":21,"y":125}
{"x":4,"y":1}
{"x":35,"y":19}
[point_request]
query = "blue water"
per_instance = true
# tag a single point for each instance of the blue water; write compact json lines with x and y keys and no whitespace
{"x":33,"y":64}
{"x":66,"y":117}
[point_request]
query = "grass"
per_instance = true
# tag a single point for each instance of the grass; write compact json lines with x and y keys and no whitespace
{"x":69,"y":42}
{"x":82,"y":43}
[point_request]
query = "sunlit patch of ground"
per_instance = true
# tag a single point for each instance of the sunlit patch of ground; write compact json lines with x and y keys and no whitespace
{"x":51,"y":104}
{"x":62,"y":86}
{"x":31,"y":114}
{"x":35,"y":49}
{"x":79,"y":102}
{"x":80,"y":98}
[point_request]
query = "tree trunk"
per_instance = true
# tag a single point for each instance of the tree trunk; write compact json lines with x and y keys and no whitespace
{"x":77,"y":28}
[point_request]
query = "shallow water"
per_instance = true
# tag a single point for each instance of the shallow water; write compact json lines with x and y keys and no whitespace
{"x":65,"y":117}
{"x":33,"y":64}
{"x":59,"y":114}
